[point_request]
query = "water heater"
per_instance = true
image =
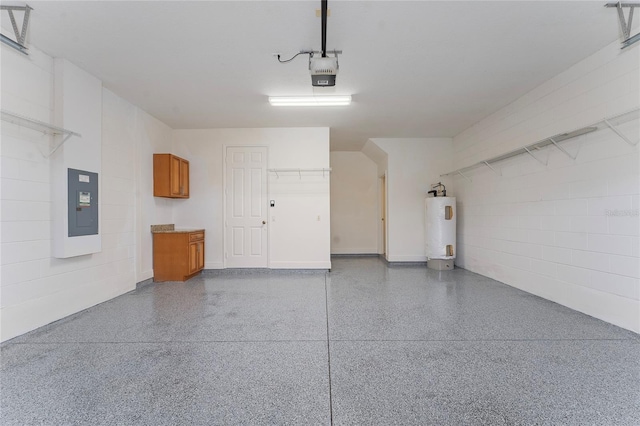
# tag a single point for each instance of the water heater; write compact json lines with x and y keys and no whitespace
{"x":440,"y":232}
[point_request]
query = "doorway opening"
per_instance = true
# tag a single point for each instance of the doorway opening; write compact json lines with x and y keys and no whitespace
{"x":246,"y":233}
{"x":382,"y":246}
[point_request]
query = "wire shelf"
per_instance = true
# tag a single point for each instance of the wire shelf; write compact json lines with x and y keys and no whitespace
{"x":555,"y":141}
{"x":40,"y":126}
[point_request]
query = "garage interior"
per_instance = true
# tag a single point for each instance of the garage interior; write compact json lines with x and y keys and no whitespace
{"x":300,"y":282}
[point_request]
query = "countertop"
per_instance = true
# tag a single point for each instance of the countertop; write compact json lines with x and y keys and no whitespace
{"x":171,"y":229}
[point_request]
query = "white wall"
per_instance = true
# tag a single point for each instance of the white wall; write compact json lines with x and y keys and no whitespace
{"x":381,"y":159}
{"x":413,"y":165}
{"x":376,"y":155}
{"x":297,"y":239}
{"x":36,"y":288}
{"x":25,"y":211}
{"x":133,"y":136}
{"x":354,"y":203}
{"x":77,"y":105}
{"x":545,"y":229}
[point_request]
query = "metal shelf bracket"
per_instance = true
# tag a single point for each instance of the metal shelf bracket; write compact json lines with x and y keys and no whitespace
{"x":619,"y":133}
{"x":626,"y":23}
{"x":536,"y":158}
{"x":21,"y":36}
{"x":499,"y":173}
{"x":561,"y":149}
{"x":40,"y":126}
{"x":464,"y":176}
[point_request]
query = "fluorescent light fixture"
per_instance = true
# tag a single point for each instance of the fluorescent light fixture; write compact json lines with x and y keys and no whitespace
{"x":310,"y":100}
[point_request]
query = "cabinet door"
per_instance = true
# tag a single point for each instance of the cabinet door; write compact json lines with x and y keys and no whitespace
{"x":201,"y":255}
{"x":193,"y":257}
{"x":175,"y":175}
{"x":196,"y":256}
{"x":184,"y":178}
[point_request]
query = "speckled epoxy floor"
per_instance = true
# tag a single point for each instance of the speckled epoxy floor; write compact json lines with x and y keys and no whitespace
{"x":364,"y":344}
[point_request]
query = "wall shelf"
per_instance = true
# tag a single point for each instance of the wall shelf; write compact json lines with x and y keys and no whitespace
{"x":611,"y":123}
{"x":299,"y":171}
{"x":40,"y":126}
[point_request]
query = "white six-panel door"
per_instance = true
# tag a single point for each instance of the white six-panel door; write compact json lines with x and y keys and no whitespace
{"x":246,"y":207}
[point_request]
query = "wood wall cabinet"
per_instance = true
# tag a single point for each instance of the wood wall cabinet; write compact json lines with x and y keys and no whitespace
{"x":177,"y":255}
{"x":170,"y":176}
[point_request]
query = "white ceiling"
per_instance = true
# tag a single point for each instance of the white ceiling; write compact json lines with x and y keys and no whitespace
{"x":415,"y":69}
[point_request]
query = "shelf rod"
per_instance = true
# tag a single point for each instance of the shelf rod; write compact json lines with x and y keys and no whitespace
{"x":301,"y":170}
{"x":630,"y":115}
{"x":622,"y":4}
{"x":619,"y":133}
{"x":39,"y":126}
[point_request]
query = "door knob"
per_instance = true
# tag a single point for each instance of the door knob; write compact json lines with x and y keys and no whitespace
{"x":264,"y":222}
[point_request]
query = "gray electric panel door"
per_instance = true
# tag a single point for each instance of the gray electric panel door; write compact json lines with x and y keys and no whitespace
{"x":83,"y":203}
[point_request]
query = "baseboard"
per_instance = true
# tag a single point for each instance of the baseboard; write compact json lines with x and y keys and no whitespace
{"x":143,"y":276}
{"x":300,"y":265}
{"x":354,"y":251}
{"x":617,"y":310}
{"x":392,"y":258}
{"x":334,"y":255}
{"x":262,"y":271}
{"x":213,"y":265}
{"x":277,"y":265}
{"x":35,"y":313}
{"x":144,"y":283}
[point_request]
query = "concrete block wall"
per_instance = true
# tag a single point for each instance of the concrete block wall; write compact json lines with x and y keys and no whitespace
{"x":35,"y":287}
{"x":568,"y":231}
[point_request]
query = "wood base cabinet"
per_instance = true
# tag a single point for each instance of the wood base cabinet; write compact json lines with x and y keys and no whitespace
{"x":177,"y":256}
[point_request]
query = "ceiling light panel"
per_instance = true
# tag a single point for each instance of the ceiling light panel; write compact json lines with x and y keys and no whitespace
{"x":313,"y":101}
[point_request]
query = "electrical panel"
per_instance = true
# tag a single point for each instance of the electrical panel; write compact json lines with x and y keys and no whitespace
{"x":83,"y":202}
